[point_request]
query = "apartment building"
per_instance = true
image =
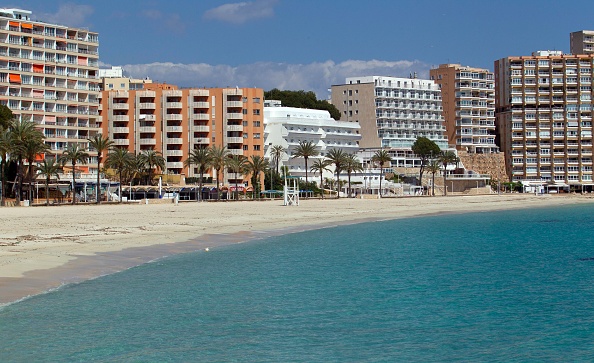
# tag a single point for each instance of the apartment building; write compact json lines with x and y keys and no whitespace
{"x":581,"y":42}
{"x":544,"y":117}
{"x":288,"y":126}
{"x":49,"y":74}
{"x":468,"y":101}
{"x":392,"y":113}
{"x":175,"y":121}
{"x":113,"y":79}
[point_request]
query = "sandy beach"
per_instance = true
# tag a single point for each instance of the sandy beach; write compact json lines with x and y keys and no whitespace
{"x":45,"y":247}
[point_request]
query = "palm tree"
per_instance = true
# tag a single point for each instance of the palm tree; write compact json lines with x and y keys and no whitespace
{"x":433,"y":167}
{"x":219,"y":155}
{"x":201,"y":159}
{"x":33,"y":147}
{"x":336,"y":157}
{"x":276,"y":153}
{"x":256,"y":165}
{"x":319,"y":166}
{"x":21,"y":133}
{"x":152,"y":159}
{"x":119,"y":159}
{"x":237,"y":164}
{"x":74,"y":154}
{"x":446,"y":158}
{"x":381,"y":157}
{"x":49,"y":168}
{"x":5,"y":150}
{"x":351,"y":164}
{"x":305,"y":150}
{"x":100,"y":144}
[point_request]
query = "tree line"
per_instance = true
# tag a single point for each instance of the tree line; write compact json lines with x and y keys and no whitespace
{"x":302,"y":99}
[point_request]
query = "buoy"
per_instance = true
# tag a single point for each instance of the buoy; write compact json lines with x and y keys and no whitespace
{"x":206,"y":249}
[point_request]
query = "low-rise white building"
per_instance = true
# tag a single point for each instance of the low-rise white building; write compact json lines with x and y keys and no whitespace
{"x":288,"y":126}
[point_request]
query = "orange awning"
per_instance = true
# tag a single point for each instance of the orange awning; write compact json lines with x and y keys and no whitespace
{"x":14,"y":23}
{"x":38,"y":68}
{"x":39,"y":157}
{"x":26,"y":26}
{"x":15,"y":78}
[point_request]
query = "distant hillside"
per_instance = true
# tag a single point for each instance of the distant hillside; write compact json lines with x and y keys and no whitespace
{"x":302,"y":99}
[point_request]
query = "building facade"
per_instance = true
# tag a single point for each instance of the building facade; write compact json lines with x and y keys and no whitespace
{"x":544,"y":116}
{"x":49,"y":74}
{"x":468,"y":101}
{"x":175,"y":121}
{"x":581,"y":42}
{"x":393,"y":113}
{"x":288,"y":126}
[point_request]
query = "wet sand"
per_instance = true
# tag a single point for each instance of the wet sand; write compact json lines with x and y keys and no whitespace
{"x":42,"y":248}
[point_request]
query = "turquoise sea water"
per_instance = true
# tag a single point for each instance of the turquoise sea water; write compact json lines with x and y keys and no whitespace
{"x":510,"y":286}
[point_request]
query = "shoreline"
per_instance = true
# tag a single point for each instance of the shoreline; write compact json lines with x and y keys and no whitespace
{"x":44,"y":248}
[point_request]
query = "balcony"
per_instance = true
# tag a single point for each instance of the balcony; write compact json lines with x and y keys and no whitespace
{"x":121,"y":130}
{"x":147,"y":117}
{"x":175,"y":165}
{"x":147,"y":106}
{"x":174,"y":153}
{"x":199,"y":105}
{"x":235,"y":151}
{"x":200,"y":116}
{"x":173,"y":117}
{"x":120,"y":106}
{"x":147,"y":129}
{"x":173,"y":105}
{"x":202,"y":140}
{"x":199,"y":92}
{"x":121,"y":142}
{"x":234,"y":116}
{"x":120,"y":118}
{"x":147,"y":141}
{"x":175,"y":140}
{"x":201,"y":128}
{"x":235,"y":140}
{"x":146,"y":94}
{"x":235,"y":128}
{"x":174,"y":129}
{"x":234,"y":104}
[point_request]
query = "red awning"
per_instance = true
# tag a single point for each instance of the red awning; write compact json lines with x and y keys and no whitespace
{"x":14,"y":78}
{"x":14,"y":23}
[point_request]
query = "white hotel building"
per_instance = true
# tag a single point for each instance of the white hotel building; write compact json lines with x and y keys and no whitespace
{"x":50,"y":74}
{"x":392,"y":113}
{"x":287,"y":126}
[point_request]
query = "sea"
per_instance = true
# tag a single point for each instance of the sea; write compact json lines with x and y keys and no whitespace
{"x":505,"y":286}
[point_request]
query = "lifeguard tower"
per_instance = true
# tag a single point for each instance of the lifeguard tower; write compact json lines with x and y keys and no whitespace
{"x":291,"y":190}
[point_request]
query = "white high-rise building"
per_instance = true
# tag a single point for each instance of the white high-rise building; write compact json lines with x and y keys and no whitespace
{"x":50,"y":74}
{"x":288,"y":126}
{"x":393,"y":113}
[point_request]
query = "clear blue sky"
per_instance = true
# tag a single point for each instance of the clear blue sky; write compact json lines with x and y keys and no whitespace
{"x":311,"y":44}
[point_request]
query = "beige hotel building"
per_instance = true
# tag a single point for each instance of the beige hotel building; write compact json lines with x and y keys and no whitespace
{"x":175,"y":121}
{"x":49,"y":74}
{"x":468,"y":101}
{"x":544,"y":117}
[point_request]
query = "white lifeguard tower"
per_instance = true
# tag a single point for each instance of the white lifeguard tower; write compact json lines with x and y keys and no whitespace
{"x":291,"y":190}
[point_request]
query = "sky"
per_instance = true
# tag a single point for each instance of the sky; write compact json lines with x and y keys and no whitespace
{"x":311,"y":44}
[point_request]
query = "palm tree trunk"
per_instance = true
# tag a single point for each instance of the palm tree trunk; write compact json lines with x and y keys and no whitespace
{"x":47,"y":191}
{"x":98,"y":201}
{"x":236,"y":191}
{"x":379,"y":193}
{"x":322,"y":184}
{"x":305,"y":170}
{"x":337,"y":184}
{"x":433,"y":185}
{"x":200,"y":184}
{"x":445,"y":189}
{"x":73,"y":183}
{"x":120,"y":201}
{"x":218,"y":187}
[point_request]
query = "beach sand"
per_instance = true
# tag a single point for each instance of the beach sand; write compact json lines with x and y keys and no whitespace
{"x":45,"y":247}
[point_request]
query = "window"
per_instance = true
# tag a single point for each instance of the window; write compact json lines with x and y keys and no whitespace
{"x":256,"y":111}
{"x":244,"y":99}
{"x":122,"y":85}
{"x":245,"y":123}
{"x":256,"y":123}
{"x":244,"y":111}
{"x":256,"y":147}
{"x":245,"y":147}
{"x":256,"y":100}
{"x":256,"y":135}
{"x":110,"y":85}
{"x":245,"y":135}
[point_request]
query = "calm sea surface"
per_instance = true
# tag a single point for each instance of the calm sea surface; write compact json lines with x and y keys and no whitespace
{"x":511,"y":286}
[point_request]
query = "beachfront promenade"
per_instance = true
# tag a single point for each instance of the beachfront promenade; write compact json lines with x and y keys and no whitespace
{"x":44,"y":247}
